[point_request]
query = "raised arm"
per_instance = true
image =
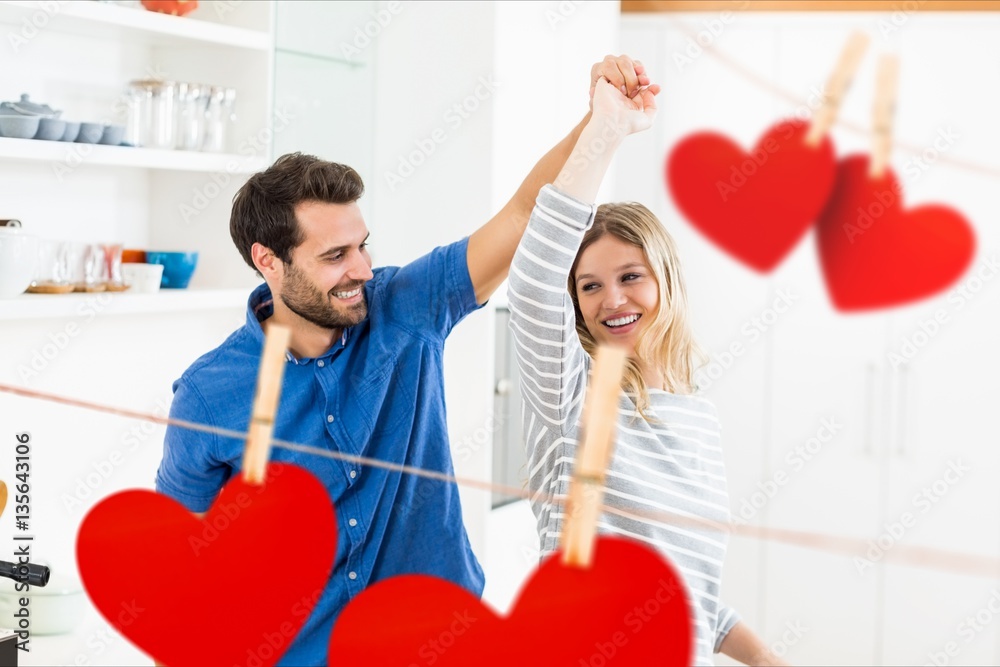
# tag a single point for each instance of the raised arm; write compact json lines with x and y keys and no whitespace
{"x":551,"y":361}
{"x":492,"y":246}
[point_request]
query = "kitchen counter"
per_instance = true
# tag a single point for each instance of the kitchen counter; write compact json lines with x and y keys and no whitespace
{"x":93,"y":642}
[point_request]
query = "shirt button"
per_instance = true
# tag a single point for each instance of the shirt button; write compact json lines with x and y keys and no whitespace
{"x":321,"y":363}
{"x":353,"y":522}
{"x":354,"y":473}
{"x":352,"y":575}
{"x":329,"y":419}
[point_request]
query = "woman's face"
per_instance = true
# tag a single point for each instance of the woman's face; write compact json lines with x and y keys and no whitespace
{"x":616,"y":290}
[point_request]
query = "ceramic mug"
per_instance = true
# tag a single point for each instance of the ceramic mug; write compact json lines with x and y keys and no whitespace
{"x":18,"y":253}
{"x":142,"y":278}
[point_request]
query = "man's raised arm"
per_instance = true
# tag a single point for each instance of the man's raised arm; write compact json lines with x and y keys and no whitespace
{"x":492,"y":246}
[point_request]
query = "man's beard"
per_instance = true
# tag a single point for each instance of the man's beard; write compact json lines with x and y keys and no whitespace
{"x":311,"y":304}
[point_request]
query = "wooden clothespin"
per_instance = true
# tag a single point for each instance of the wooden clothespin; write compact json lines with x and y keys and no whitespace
{"x":586,"y":490}
{"x":3,"y":497}
{"x":265,"y":404}
{"x":836,"y":87}
{"x":885,"y":105}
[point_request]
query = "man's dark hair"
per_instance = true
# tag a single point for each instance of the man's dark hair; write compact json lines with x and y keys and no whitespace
{"x":264,"y":208}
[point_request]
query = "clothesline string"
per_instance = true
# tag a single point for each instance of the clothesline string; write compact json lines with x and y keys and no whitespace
{"x":789,"y":96}
{"x":963,"y":563}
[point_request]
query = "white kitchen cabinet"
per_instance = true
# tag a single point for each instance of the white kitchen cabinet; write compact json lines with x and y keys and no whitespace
{"x":934,"y":617}
{"x":818,"y":611}
{"x":944,"y":452}
{"x":944,"y":351}
{"x":899,"y":426}
{"x":78,"y":57}
{"x":824,"y":407}
{"x":118,"y":349}
{"x":905,"y":422}
{"x":914,"y":465}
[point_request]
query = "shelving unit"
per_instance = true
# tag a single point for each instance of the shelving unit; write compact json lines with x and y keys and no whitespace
{"x":113,"y":23}
{"x":78,"y":57}
{"x":71,"y":153}
{"x":41,"y":306}
{"x":336,"y":60}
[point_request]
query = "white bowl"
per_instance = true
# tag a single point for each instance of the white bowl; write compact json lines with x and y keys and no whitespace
{"x":142,"y":278}
{"x":18,"y":253}
{"x":55,"y":609}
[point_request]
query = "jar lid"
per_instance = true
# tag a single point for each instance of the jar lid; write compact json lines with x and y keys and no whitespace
{"x":189,"y":91}
{"x":153,"y":84}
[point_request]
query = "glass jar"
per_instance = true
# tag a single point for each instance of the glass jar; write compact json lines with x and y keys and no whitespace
{"x":151,"y":113}
{"x":190,"y":125}
{"x":218,"y":117}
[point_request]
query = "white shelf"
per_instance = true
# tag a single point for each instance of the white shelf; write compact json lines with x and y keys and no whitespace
{"x":72,"y":154}
{"x":41,"y":306}
{"x":110,"y":22}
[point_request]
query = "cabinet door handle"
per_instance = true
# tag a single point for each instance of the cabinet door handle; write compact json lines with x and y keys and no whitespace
{"x":902,"y":391}
{"x":870,"y":369}
{"x":503,"y":387}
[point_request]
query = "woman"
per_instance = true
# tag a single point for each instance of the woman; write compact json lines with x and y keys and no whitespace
{"x":625,"y":288}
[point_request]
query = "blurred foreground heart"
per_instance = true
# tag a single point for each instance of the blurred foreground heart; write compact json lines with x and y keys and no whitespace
{"x":629,"y":609}
{"x":877,"y":254}
{"x":757,"y":205}
{"x":216,"y":591}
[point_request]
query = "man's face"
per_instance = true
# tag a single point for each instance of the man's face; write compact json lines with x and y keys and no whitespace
{"x":324,"y":282}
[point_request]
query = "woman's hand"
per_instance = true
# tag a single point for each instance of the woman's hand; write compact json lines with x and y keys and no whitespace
{"x":623,"y":102}
{"x":621,"y":95}
{"x":622,"y":72}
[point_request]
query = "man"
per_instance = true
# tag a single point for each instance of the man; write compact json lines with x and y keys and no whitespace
{"x":364,"y":373}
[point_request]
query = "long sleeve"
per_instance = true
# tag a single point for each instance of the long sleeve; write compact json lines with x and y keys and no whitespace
{"x":553,"y":365}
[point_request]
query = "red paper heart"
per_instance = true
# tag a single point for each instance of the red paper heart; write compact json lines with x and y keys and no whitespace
{"x":213,"y":591}
{"x":629,"y":608}
{"x":877,"y":254}
{"x":757,"y":205}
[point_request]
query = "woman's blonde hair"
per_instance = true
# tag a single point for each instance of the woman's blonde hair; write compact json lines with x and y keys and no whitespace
{"x":666,"y":342}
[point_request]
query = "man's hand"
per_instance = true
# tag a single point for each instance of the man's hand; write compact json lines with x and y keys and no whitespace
{"x":625,"y":74}
{"x":621,"y":95}
{"x":492,"y":246}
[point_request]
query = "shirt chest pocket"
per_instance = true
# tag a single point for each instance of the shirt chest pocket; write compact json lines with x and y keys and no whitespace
{"x":383,"y":394}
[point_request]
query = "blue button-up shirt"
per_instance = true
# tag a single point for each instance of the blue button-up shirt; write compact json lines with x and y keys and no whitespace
{"x":378,"y":392}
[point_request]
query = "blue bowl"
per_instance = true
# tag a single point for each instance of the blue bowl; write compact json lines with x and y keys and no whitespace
{"x":113,"y":135}
{"x":18,"y":127}
{"x":178,"y":267}
{"x":51,"y":129}
{"x":90,"y":133}
{"x":72,"y":131}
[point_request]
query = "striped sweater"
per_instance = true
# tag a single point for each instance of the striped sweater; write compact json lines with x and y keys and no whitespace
{"x":674,"y":466}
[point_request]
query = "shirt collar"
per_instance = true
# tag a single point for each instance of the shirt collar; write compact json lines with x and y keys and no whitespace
{"x":260,"y":306}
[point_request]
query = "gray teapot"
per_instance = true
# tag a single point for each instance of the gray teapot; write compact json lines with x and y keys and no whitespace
{"x":25,"y":107}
